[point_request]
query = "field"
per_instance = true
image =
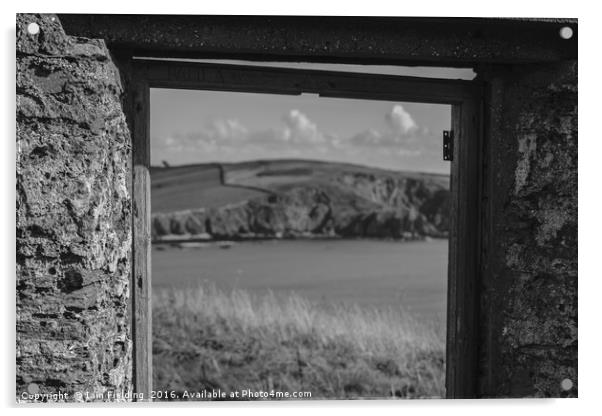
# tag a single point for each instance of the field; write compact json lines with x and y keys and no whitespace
{"x":208,"y":338}
{"x":213,"y":185}
{"x":194,"y":186}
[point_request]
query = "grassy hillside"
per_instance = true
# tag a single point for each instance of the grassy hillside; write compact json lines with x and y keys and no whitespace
{"x":187,"y":187}
{"x":272,"y":174}
{"x":214,"y":185}
{"x":207,"y":339}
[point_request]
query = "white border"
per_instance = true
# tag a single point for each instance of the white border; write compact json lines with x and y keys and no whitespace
{"x":590,"y":201}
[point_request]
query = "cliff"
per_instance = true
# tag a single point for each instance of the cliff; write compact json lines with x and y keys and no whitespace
{"x":290,"y":199}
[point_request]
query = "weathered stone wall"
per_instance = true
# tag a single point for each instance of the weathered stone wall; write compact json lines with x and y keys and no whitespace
{"x":529,"y":299}
{"x":73,"y":215}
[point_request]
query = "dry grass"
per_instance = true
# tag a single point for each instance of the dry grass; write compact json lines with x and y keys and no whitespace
{"x":206,"y":339}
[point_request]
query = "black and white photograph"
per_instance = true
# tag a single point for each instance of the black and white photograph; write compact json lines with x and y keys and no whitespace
{"x":304,"y":260}
{"x":295,"y":208}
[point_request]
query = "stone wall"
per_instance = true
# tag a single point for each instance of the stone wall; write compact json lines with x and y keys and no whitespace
{"x":73,"y":215}
{"x":529,"y":288}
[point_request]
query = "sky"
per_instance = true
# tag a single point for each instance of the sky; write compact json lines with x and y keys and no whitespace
{"x":212,"y":126}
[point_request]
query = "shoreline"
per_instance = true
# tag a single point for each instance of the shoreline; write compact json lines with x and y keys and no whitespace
{"x":201,"y":242}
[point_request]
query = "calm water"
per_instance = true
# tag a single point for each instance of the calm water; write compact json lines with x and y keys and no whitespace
{"x":366,"y":272}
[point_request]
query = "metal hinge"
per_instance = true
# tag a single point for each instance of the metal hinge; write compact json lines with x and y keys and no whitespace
{"x":448,"y":145}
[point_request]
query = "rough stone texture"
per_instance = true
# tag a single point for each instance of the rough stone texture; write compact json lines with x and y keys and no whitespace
{"x":529,"y":299}
{"x":73,"y":216}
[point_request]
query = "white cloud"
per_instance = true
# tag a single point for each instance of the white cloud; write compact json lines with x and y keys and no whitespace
{"x":402,"y":134}
{"x":228,"y":139}
{"x":400,"y":121}
{"x":217,"y":133}
{"x":228,"y":130}
{"x":300,"y":129}
{"x":371,"y":137}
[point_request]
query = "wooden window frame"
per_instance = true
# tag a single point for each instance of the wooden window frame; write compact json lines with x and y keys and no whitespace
{"x":466,"y":99}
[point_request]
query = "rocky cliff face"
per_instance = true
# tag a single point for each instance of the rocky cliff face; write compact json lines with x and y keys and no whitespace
{"x":349,"y":204}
